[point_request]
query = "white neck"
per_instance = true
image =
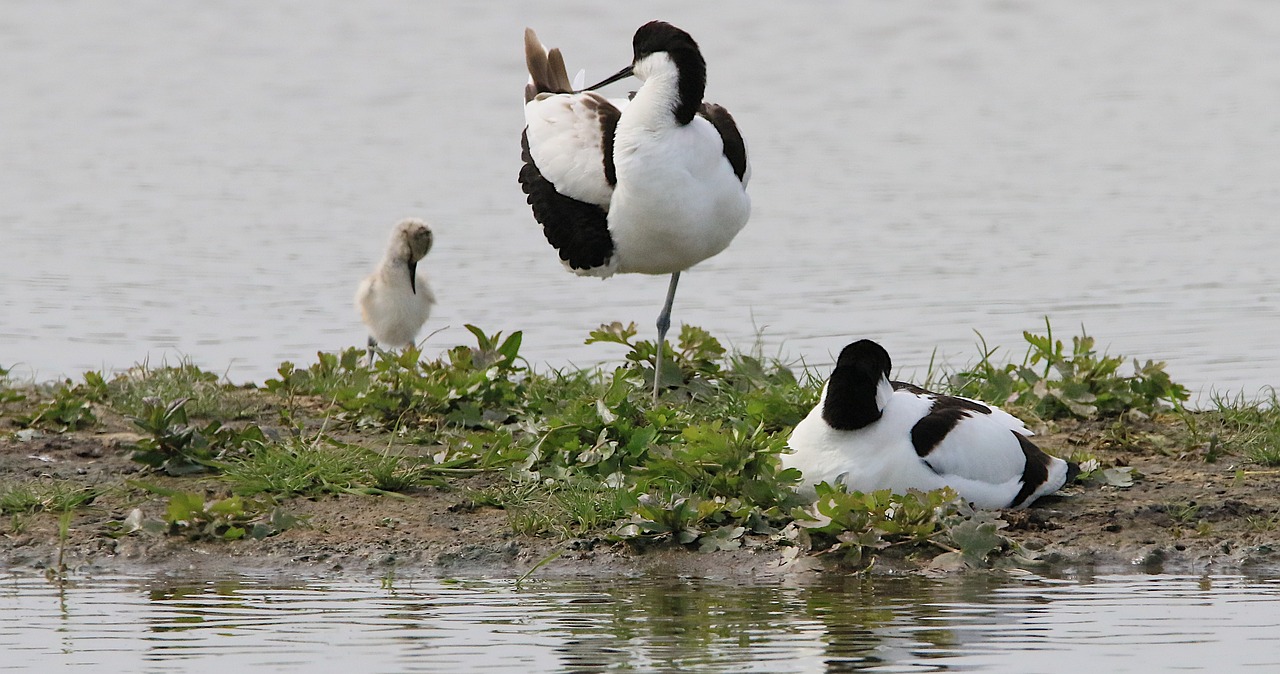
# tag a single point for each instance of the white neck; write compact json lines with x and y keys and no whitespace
{"x":884,"y":391}
{"x":653,"y":106}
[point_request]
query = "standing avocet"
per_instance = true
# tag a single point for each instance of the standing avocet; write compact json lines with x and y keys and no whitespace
{"x":871,"y":433}
{"x":653,"y":185}
{"x":395,"y":300}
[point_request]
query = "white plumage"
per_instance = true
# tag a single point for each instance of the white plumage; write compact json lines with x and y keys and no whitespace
{"x":396,"y":299}
{"x":870,"y":433}
{"x":652,"y":185}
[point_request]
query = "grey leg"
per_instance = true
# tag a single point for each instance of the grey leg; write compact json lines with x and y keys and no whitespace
{"x":373,"y":344}
{"x":664,"y":322}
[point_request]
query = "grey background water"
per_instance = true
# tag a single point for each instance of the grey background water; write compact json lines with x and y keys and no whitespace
{"x":210,"y":180}
{"x":982,"y":623}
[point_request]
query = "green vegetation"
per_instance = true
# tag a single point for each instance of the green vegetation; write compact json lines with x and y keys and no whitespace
{"x":8,"y":392}
{"x":70,"y":407}
{"x":324,"y":465}
{"x":33,"y":496}
{"x":855,"y":524}
{"x":206,"y":394}
{"x":1235,"y":424}
{"x":177,"y":448}
{"x":191,"y":515}
{"x":1052,"y":383}
{"x":474,"y":387}
{"x":583,"y":453}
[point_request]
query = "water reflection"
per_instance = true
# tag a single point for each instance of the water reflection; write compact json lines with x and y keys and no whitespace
{"x":837,"y":624}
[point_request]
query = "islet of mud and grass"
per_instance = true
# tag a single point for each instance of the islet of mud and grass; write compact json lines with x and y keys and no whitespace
{"x":474,"y":462}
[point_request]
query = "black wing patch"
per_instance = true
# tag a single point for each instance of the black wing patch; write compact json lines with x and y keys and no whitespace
{"x":735,"y":150}
{"x":1036,"y":471}
{"x":933,"y":427}
{"x":577,"y":229}
{"x":608,"y":115}
{"x":944,"y":413}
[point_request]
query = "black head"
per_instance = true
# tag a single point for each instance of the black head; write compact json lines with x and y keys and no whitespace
{"x":851,"y":391}
{"x":657,"y":36}
{"x":867,"y":358}
{"x":661,"y":37}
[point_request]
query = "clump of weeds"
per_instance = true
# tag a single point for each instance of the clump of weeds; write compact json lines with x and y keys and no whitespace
{"x":1054,"y":383}
{"x":207,"y":394}
{"x":45,"y":495}
{"x":472,"y":387}
{"x":1238,"y":425}
{"x":704,"y":470}
{"x":173,"y":445}
{"x":70,"y":407}
{"x":9,"y":391}
{"x":324,"y":465}
{"x":196,"y":517}
{"x":855,"y":524}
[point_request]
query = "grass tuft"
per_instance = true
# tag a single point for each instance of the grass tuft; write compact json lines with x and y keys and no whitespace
{"x":33,"y":496}
{"x":1236,"y":424}
{"x":208,"y":396}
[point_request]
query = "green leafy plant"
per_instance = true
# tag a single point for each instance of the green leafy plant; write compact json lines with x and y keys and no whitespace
{"x":231,"y":518}
{"x":686,"y":519}
{"x":975,"y":536}
{"x":178,"y":448}
{"x":332,"y":372}
{"x":192,"y":515}
{"x":470,"y":387}
{"x":725,"y":460}
{"x":704,"y":471}
{"x":697,"y":353}
{"x":856,"y":523}
{"x":71,"y":407}
{"x":1054,"y":383}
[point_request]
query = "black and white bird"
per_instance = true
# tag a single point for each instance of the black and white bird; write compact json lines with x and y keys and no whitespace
{"x":395,"y":300}
{"x":651,"y":185}
{"x":870,"y":433}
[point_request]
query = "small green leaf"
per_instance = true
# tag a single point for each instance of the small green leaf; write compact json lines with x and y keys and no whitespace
{"x":977,"y":539}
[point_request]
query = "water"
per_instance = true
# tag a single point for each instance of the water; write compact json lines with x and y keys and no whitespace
{"x":210,"y":180}
{"x":1030,"y":624}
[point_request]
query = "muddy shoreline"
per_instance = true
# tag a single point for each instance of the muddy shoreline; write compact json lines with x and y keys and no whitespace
{"x":1180,"y":515}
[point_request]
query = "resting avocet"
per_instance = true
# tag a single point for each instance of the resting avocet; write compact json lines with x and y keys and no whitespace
{"x":871,"y":433}
{"x":653,"y":185}
{"x":395,"y":300}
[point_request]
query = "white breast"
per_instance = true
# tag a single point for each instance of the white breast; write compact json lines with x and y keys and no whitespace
{"x":677,"y":201}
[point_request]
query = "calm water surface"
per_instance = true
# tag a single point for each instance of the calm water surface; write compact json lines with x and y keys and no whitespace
{"x":210,"y":180}
{"x":1031,"y":624}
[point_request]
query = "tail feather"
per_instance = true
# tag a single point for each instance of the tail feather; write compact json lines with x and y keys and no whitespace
{"x":546,"y":68}
{"x":559,"y":74}
{"x":1073,"y":470}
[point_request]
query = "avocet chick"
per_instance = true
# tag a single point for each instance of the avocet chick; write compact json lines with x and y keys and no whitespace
{"x":395,"y":300}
